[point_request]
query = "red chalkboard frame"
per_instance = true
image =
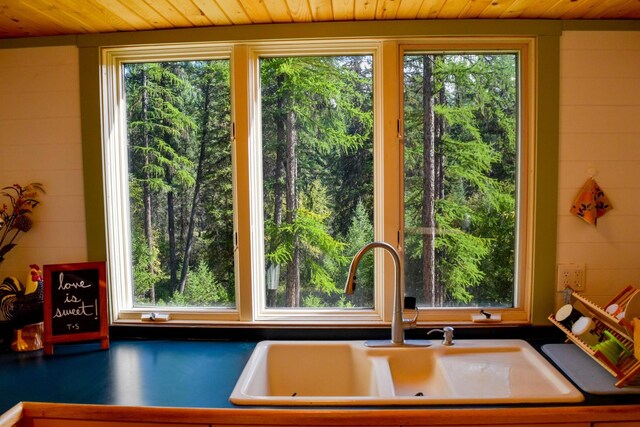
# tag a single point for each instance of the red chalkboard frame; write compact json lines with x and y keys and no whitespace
{"x":49,"y":339}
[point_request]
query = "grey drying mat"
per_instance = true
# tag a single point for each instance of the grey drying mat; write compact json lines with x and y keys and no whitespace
{"x":584,"y":371}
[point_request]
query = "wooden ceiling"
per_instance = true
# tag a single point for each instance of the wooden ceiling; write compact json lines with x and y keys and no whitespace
{"x":29,"y":18}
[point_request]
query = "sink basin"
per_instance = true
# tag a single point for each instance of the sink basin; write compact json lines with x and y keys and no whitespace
{"x":322,"y":371}
{"x":347,"y":373}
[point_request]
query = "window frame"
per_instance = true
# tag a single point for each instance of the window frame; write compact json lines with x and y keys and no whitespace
{"x":116,"y":184}
{"x":388,"y":221}
{"x":291,"y":49}
{"x":523,"y":47}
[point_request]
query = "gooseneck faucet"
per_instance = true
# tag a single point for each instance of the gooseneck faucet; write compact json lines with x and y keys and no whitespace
{"x":398,"y":322}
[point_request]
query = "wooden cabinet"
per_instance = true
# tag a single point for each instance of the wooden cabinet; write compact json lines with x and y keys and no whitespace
{"x":618,"y":424}
{"x":60,"y":422}
{"x":30,"y":414}
{"x":543,"y":424}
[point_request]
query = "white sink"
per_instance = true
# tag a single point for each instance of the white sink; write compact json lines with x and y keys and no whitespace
{"x":347,"y":373}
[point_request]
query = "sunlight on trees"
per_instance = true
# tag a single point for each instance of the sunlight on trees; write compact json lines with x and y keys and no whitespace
{"x":460,"y":159}
{"x":178,"y":116}
{"x":317,"y":138}
{"x":460,"y":166}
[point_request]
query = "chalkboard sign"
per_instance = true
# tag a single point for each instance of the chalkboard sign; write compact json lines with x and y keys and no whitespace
{"x":75,"y":304}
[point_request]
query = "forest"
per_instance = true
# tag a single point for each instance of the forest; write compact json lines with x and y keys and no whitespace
{"x":317,"y":145}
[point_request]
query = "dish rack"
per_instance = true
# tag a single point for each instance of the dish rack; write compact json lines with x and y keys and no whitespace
{"x":628,"y":367}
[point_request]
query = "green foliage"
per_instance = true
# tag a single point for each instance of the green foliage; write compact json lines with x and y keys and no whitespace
{"x":321,"y":251}
{"x":176,"y":110}
{"x":202,"y":290}
{"x":360,"y":233}
{"x":331,"y":99}
{"x":313,"y":301}
{"x":475,"y":100}
{"x":147,"y":270}
{"x":499,"y":222}
{"x":463,"y":251}
{"x":165,"y":122}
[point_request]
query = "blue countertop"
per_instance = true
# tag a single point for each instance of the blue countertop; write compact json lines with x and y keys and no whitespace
{"x":133,"y":373}
{"x":143,"y":372}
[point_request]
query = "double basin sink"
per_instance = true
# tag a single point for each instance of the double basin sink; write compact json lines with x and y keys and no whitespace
{"x":348,"y":373}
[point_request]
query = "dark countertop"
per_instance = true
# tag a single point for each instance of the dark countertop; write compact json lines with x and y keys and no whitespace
{"x":135,"y":372}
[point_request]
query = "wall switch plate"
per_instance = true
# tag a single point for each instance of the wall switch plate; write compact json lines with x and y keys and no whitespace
{"x":571,"y":275}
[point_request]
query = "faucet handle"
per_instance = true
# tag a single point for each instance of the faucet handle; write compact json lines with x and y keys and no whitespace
{"x":410,"y":304}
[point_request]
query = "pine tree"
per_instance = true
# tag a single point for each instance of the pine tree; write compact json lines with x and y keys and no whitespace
{"x":457,"y":167}
{"x":316,"y":114}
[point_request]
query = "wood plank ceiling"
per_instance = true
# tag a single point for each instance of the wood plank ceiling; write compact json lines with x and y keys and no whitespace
{"x":28,"y":18}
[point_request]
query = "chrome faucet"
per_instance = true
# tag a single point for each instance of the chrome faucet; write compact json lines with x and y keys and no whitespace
{"x":398,"y":322}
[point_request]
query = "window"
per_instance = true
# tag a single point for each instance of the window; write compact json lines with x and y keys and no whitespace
{"x":166,"y":133}
{"x":241,"y":192}
{"x":317,"y":151}
{"x":180,"y":201}
{"x":460,"y":168}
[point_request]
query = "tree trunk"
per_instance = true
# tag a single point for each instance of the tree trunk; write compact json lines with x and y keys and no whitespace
{"x":428,"y":177}
{"x":439,"y":148}
{"x":146,"y":191}
{"x":196,"y":191}
{"x":279,"y":166}
{"x":171,"y":217}
{"x":171,"y":232}
{"x":293,"y":269}
{"x":278,"y":187}
{"x":439,"y":186}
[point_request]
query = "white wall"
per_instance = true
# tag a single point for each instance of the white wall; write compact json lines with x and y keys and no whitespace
{"x":599,"y":125}
{"x":600,"y":133}
{"x":40,"y":142}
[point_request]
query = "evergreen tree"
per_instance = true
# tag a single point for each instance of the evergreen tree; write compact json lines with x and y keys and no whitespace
{"x":461,"y":159}
{"x":314,"y":109}
{"x":317,"y":148}
{"x":179,"y":153}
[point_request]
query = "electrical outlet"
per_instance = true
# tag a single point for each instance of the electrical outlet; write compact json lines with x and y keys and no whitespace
{"x":571,"y":275}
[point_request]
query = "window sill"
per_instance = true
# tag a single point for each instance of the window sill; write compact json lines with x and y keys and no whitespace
{"x":307,"y":324}
{"x":238,"y":331}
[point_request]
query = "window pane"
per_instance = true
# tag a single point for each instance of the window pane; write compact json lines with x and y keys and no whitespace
{"x":460,"y":121}
{"x":178,"y":121}
{"x":317,"y":148}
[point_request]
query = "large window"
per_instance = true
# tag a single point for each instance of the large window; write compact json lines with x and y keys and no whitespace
{"x":242,"y":179}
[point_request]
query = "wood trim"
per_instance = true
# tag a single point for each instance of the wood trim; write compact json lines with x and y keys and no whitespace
{"x":13,"y":416}
{"x":322,"y":30}
{"x":90,"y":120}
{"x":546,"y":176}
{"x":334,"y":417}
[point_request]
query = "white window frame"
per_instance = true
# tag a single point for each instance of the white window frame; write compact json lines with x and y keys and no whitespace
{"x":116,"y":181}
{"x":260,"y":312}
{"x":524,"y":48}
{"x":247,"y":175}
